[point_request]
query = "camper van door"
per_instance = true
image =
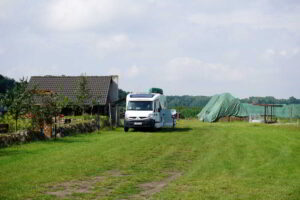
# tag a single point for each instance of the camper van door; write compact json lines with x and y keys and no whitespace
{"x":157,"y":109}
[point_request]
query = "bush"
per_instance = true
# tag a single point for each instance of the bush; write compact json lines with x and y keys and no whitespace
{"x":188,"y":112}
{"x":23,"y":124}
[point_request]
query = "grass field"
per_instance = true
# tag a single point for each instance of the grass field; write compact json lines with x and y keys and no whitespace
{"x":195,"y":161}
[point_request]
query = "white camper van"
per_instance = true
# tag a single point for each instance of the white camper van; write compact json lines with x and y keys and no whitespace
{"x":147,"y":110}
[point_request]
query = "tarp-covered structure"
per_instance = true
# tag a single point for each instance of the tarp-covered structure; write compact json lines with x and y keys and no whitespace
{"x":225,"y":105}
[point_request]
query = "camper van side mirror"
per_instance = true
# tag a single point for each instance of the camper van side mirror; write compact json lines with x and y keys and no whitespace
{"x":159,"y":109}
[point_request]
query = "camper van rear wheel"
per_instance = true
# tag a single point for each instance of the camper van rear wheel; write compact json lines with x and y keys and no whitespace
{"x":126,"y":129}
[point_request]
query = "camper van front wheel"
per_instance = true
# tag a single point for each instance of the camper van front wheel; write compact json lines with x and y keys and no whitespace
{"x":126,"y":129}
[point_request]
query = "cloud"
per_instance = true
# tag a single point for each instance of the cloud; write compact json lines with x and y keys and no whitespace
{"x":254,"y":19}
{"x":28,"y":71}
{"x":115,"y":71}
{"x":130,"y":78}
{"x":127,"y":73}
{"x":6,"y":9}
{"x":232,"y":55}
{"x":222,"y":45}
{"x":133,"y":71}
{"x":275,"y":54}
{"x":2,"y":51}
{"x":72,"y":15}
{"x":187,"y":68}
{"x":113,"y":43}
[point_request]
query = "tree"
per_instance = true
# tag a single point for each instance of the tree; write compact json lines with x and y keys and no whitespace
{"x":187,"y":101}
{"x":82,"y":93}
{"x":6,"y":84}
{"x":18,"y":101}
{"x":122,"y":96}
{"x":292,"y":100}
{"x":50,"y":107}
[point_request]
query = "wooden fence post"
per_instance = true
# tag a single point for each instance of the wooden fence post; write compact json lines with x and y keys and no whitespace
{"x":110,"y":120}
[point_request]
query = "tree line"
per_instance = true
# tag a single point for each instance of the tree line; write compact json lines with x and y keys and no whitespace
{"x":271,"y":100}
{"x":201,"y":101}
{"x":187,"y":101}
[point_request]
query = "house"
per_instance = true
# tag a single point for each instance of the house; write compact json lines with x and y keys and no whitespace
{"x":103,"y":90}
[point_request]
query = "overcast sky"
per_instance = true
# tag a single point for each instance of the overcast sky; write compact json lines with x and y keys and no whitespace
{"x":195,"y":47}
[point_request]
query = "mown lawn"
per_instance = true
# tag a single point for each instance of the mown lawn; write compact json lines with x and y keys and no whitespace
{"x":195,"y":161}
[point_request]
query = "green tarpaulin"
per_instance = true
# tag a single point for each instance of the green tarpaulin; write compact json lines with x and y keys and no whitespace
{"x":225,"y":105}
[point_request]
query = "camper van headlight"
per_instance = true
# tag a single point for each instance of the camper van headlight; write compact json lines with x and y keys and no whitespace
{"x":150,"y":115}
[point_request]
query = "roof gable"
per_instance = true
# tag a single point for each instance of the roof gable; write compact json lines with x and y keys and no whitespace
{"x":98,"y":86}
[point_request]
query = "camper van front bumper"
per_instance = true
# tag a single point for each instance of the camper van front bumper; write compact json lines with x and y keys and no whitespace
{"x":147,"y":123}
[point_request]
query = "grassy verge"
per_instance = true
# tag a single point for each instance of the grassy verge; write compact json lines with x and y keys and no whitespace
{"x":215,"y":161}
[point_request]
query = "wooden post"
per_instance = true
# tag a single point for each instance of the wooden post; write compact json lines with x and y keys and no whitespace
{"x":271,"y":113}
{"x":119,"y":113}
{"x":116,"y":117}
{"x":291,"y":114}
{"x":110,"y":120}
{"x":98,"y":117}
{"x":55,"y":127}
{"x":265,"y":117}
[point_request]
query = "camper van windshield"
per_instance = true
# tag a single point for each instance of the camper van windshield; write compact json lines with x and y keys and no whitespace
{"x":140,"y":105}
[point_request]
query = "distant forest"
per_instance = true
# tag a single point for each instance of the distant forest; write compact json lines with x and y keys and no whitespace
{"x":187,"y":101}
{"x":178,"y":102}
{"x":270,"y":100}
{"x":201,"y":101}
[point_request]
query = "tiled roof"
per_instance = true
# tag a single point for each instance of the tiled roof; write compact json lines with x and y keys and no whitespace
{"x":98,"y":86}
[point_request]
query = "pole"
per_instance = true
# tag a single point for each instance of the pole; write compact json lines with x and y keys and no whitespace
{"x":98,"y":117}
{"x":55,"y":127}
{"x":109,"y":110}
{"x":265,"y":117}
{"x":116,"y":117}
{"x":271,"y":113}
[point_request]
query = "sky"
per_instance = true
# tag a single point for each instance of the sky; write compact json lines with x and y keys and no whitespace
{"x":195,"y":47}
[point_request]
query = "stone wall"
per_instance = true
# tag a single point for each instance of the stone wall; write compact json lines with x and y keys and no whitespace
{"x":69,"y":129}
{"x":19,"y":138}
{"x":28,"y":136}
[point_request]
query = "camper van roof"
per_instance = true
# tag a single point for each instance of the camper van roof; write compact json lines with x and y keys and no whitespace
{"x":141,"y":95}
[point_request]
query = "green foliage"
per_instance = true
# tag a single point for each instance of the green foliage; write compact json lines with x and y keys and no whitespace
{"x":6,"y":84}
{"x":270,"y":100}
{"x":82,"y":93}
{"x":23,"y":123}
{"x":122,"y":96}
{"x":187,"y":101}
{"x":51,"y":106}
{"x":215,"y":161}
{"x":188,"y":112}
{"x":201,"y":101}
{"x":88,"y":117}
{"x":18,"y":101}
{"x":104,"y":120}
